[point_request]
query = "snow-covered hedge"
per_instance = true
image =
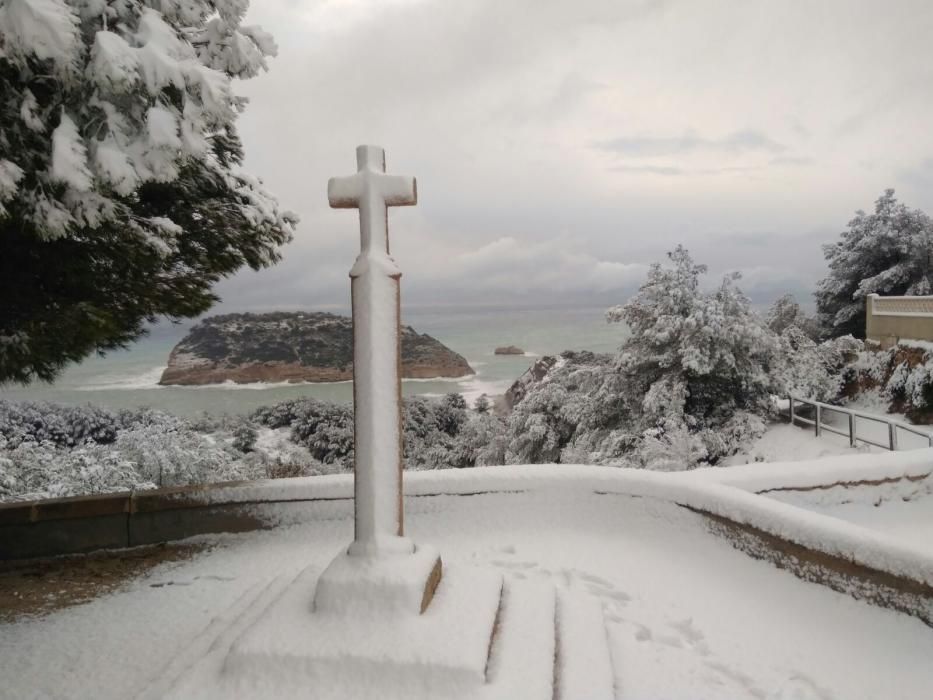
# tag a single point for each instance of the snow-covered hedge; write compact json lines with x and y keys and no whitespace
{"x":438,"y":434}
{"x":48,"y":451}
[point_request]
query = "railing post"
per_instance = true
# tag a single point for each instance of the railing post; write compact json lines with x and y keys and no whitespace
{"x":816,"y":423}
{"x":851,"y":430}
{"x":931,"y":439}
{"x":791,"y":411}
{"x":892,"y":436}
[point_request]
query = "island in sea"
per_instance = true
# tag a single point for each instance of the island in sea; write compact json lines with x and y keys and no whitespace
{"x":292,"y":347}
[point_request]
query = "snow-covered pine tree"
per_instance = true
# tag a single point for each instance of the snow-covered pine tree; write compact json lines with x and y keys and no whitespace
{"x":696,"y":360}
{"x":120,"y":196}
{"x":887,"y":252}
{"x":785,"y":313}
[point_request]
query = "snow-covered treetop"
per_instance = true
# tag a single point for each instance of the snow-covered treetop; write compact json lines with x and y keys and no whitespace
{"x":121,"y":197}
{"x":693,"y":356}
{"x":100,"y":97}
{"x":889,"y":251}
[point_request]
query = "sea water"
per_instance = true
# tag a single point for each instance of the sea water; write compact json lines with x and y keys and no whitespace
{"x":129,"y":378}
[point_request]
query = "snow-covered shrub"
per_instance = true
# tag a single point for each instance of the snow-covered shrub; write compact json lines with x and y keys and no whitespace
{"x":888,"y":252}
{"x":279,"y":457}
{"x":437,"y":433}
{"x":282,"y":414}
{"x":65,"y":426}
{"x":326,"y":429}
{"x":813,"y":370}
{"x":571,"y":409}
{"x":451,"y":414}
{"x":671,"y":449}
{"x":482,"y":404}
{"x":899,"y":379}
{"x":244,"y":438}
{"x":170,"y":456}
{"x":481,"y":442}
{"x":431,"y":432}
{"x":911,"y":386}
{"x":785,"y":313}
{"x":33,"y":470}
{"x":694,"y":359}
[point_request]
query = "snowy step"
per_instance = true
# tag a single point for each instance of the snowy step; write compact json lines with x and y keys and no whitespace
{"x":479,"y":640}
{"x":584,"y":664}
{"x":521,"y":662}
{"x":200,"y":662}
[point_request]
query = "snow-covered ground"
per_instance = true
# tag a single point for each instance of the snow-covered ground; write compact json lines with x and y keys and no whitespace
{"x":783,"y":442}
{"x":903,"y":510}
{"x":689,"y":616}
{"x":908,"y":521}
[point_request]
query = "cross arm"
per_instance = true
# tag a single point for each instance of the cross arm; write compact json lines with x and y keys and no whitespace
{"x":345,"y":192}
{"x":398,"y":190}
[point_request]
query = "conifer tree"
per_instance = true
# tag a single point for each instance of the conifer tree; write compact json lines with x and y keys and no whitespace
{"x":121,"y":199}
{"x":889,"y":251}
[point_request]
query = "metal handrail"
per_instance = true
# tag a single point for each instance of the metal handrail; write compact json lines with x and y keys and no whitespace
{"x":819,"y":426}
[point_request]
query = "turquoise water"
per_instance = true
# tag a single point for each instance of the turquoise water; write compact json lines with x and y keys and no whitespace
{"x":129,"y":378}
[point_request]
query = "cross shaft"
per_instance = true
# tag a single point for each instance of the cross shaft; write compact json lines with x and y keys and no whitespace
{"x":377,"y":397}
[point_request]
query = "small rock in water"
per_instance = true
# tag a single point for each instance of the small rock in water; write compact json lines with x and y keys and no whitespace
{"x":509,"y":350}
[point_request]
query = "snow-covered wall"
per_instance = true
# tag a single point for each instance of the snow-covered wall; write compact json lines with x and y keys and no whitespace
{"x":735,"y":499}
{"x":888,"y":319}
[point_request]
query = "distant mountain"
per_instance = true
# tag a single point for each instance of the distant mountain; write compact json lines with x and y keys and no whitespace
{"x":292,"y":347}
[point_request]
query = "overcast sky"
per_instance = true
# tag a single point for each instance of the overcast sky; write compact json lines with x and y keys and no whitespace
{"x":561,"y":147}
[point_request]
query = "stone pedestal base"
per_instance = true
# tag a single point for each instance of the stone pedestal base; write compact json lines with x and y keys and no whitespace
{"x":355,"y":585}
{"x":480,"y":639}
{"x":291,"y":652}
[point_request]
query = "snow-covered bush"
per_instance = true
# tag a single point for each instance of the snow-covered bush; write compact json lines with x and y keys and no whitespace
{"x":482,"y":442}
{"x":33,"y":470}
{"x":813,"y":370}
{"x":888,"y":252}
{"x":569,"y":415}
{"x":244,"y":438}
{"x":694,"y":359}
{"x":671,"y":449}
{"x":785,"y":313}
{"x":437,"y":433}
{"x":48,"y":451}
{"x":482,"y":404}
{"x":324,"y":428}
{"x":910,"y":383}
{"x":64,"y":426}
{"x":432,"y":433}
{"x":899,"y":379}
{"x":167,"y":455}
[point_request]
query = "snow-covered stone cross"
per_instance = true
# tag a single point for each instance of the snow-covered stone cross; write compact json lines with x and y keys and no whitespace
{"x":376,"y":351}
{"x":376,"y":558}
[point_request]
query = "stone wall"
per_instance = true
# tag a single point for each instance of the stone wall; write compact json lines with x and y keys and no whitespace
{"x":890,"y":319}
{"x":114,"y":521}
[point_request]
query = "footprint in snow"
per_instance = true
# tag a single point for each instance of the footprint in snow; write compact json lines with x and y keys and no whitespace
{"x":205,"y":577}
{"x":747,"y":682}
{"x":800,"y":687}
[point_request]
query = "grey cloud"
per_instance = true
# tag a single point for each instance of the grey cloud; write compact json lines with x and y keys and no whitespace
{"x":671,"y":171}
{"x":496,"y":105}
{"x":734,"y":143}
{"x":914,"y":185}
{"x":649,"y":169}
{"x":791,"y":160}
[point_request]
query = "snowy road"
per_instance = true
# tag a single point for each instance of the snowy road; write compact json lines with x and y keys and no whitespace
{"x":689,"y":617}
